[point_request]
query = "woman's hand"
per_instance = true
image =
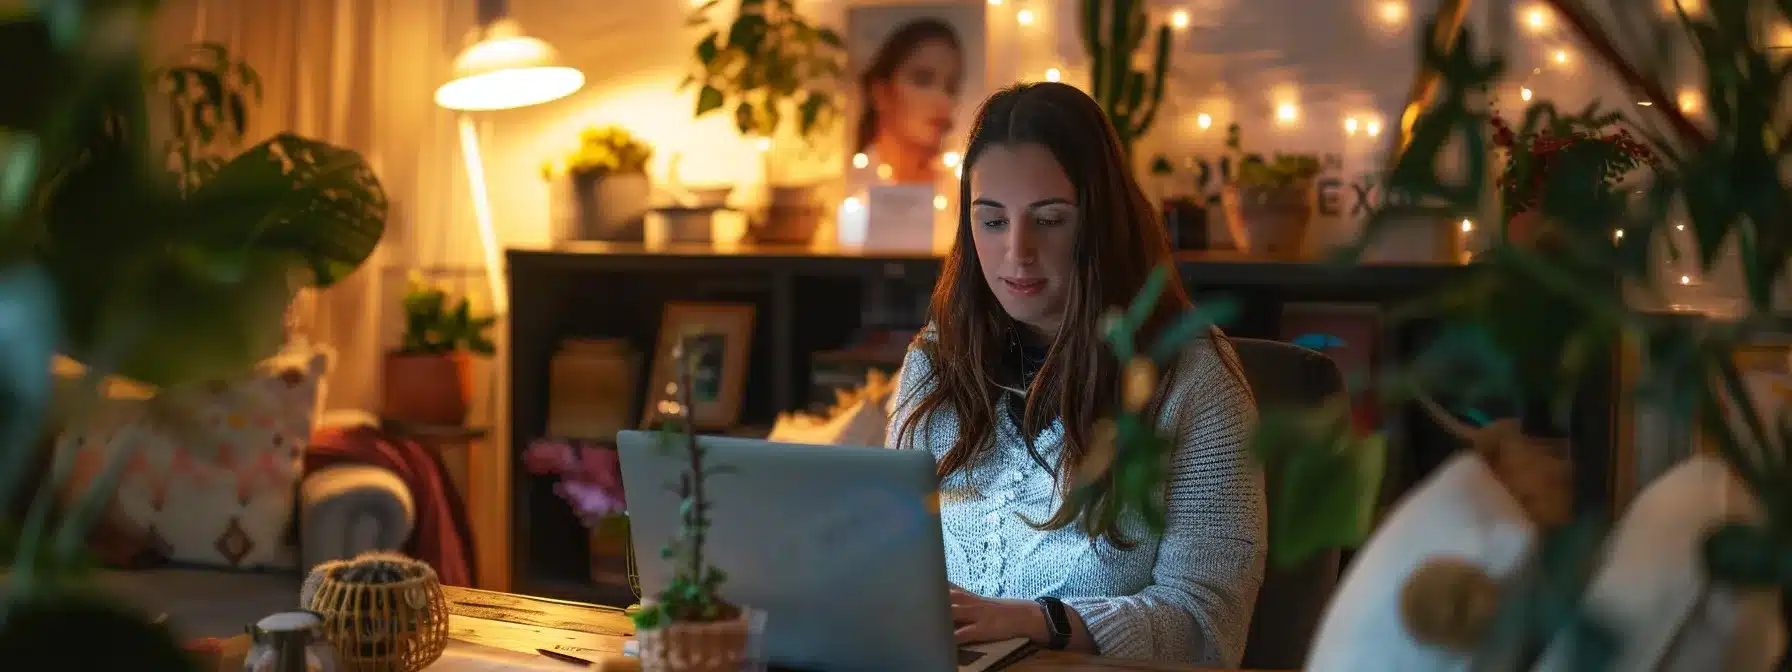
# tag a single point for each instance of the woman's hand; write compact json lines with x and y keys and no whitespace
{"x":980,"y":619}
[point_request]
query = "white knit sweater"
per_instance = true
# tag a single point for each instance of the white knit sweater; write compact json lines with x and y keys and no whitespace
{"x":1185,"y":596}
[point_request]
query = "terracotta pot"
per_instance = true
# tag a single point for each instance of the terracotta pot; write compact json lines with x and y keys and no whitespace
{"x":1273,"y":221}
{"x":723,"y":646}
{"x":427,"y":389}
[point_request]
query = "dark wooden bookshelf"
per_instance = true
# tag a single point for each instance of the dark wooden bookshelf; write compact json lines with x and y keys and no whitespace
{"x":816,"y":299}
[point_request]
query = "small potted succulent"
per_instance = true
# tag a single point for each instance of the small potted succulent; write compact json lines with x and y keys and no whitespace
{"x":1268,"y":201}
{"x":590,"y":480}
{"x":688,"y":626}
{"x":610,"y":194}
{"x":425,"y":379}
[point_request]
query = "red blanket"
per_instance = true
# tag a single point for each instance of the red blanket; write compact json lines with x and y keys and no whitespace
{"x":441,"y":536}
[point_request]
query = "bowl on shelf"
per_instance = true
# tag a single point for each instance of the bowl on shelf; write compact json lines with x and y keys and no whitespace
{"x":713,"y":196}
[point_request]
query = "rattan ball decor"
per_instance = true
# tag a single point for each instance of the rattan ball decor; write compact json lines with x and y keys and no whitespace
{"x":381,"y":611}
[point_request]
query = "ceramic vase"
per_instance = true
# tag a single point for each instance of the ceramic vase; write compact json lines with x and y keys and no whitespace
{"x":603,"y":207}
{"x":721,"y":646}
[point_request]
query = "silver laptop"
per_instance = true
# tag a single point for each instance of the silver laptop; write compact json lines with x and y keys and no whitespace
{"x":839,"y":546}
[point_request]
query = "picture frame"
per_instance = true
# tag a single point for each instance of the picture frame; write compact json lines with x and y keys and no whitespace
{"x":725,"y":338}
{"x":916,"y":72}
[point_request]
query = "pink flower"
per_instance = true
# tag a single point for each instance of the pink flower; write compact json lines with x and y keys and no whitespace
{"x":590,"y":476}
{"x":549,"y":457}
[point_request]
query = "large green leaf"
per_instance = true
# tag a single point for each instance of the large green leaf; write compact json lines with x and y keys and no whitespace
{"x":291,"y":194}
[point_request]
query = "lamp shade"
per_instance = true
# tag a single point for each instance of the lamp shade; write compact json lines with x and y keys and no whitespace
{"x":506,"y":69}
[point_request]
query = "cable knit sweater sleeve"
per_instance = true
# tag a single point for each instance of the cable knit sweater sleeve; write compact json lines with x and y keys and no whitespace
{"x":1211,"y":558}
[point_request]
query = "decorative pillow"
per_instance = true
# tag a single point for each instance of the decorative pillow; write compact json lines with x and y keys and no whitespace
{"x":1462,"y":514}
{"x":211,"y":471}
{"x":1653,"y":591}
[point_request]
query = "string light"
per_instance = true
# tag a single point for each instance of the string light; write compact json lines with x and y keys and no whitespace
{"x":884,"y":171}
{"x":1350,"y":126}
{"x":1645,"y":103}
{"x":958,"y":171}
{"x":1179,"y":19}
{"x":995,"y":3}
{"x":1052,"y":74}
{"x":1685,"y":279}
{"x":1689,"y":101}
{"x":1524,"y":92}
{"x":951,"y":159}
{"x":1468,"y":225}
{"x":939,"y":202}
{"x":860,"y":160}
{"x":1679,"y":227}
{"x":1373,"y":128}
{"x":1561,"y":56}
{"x":765,"y":144}
{"x":1393,"y":12}
{"x":1204,"y":121}
{"x":1536,"y":19}
{"x":1287,"y":112}
{"x":1024,"y":17}
{"x":851,"y":204}
{"x":1618,"y":234}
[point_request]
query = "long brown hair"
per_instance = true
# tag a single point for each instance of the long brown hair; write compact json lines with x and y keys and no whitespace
{"x":1119,"y":242}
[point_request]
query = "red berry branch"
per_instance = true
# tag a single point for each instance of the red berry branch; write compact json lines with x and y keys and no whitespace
{"x":1621,"y":154}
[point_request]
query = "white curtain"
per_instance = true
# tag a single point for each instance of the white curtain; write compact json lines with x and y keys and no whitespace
{"x":360,"y":74}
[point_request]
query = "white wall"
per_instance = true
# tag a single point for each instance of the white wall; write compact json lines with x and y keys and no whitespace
{"x":1237,"y":60}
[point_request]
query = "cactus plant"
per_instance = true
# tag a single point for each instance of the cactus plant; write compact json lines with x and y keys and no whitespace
{"x":1130,"y":97}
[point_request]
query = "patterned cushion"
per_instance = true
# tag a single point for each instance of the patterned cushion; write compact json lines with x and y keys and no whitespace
{"x":211,"y":471}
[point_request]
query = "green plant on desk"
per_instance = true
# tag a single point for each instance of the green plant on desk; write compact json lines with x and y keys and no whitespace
{"x":693,"y":594}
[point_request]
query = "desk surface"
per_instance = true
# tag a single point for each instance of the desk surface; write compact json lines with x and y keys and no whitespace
{"x":523,"y":624}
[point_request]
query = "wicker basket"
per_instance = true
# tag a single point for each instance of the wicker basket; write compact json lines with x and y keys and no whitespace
{"x":397,"y":625}
{"x":723,"y":646}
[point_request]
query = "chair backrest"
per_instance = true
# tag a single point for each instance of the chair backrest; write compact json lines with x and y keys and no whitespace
{"x":1292,"y":601}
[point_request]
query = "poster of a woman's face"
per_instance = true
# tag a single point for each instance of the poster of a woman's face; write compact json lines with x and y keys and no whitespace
{"x":918,"y":66}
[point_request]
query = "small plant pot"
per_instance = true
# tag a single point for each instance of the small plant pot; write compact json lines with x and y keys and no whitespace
{"x":792,"y":215}
{"x":721,"y":646}
{"x":1274,"y":220}
{"x":606,"y":207}
{"x":427,"y":389}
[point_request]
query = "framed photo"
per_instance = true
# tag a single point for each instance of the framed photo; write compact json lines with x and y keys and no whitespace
{"x":917,"y":72}
{"x":724,"y":338}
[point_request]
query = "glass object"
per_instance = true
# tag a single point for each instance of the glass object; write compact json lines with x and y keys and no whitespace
{"x":290,"y":641}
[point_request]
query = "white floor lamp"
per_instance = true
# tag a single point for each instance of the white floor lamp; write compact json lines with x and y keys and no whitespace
{"x":500,"y":69}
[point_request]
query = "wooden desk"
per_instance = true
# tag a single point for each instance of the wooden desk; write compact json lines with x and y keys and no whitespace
{"x":524,"y":624}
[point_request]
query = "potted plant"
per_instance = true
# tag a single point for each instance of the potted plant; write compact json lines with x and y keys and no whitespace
{"x":688,"y":626}
{"x":606,"y":176}
{"x":425,"y":378}
{"x":1268,"y":202}
{"x":167,"y":267}
{"x":590,"y":480}
{"x":774,"y":72}
{"x":1562,"y":139}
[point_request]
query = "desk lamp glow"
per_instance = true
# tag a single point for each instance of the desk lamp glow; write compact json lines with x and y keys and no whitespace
{"x":503,"y":69}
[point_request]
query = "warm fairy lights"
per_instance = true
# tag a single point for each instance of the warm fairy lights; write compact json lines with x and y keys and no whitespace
{"x":1179,"y":19}
{"x":1350,"y":126}
{"x":1524,"y":93}
{"x":1393,"y":12}
{"x":1024,"y":17}
{"x":1052,"y":75}
{"x":939,"y":202}
{"x":1204,"y":121}
{"x":1689,"y":101}
{"x":1468,"y":225}
{"x":951,"y":159}
{"x":884,"y":171}
{"x":1536,"y":18}
{"x":1373,"y":128}
{"x":1560,"y":57}
{"x":859,"y":160}
{"x":1287,"y":113}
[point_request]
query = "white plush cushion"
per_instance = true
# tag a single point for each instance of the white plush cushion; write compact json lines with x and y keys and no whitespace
{"x":1460,"y":511}
{"x":1652,"y":587}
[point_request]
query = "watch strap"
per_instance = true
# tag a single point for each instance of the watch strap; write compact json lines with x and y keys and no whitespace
{"x":1057,"y":623}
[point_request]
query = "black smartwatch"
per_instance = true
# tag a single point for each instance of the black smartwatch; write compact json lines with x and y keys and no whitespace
{"x":1057,"y":622}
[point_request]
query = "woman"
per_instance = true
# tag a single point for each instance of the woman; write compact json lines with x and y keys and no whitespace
{"x":910,"y":92}
{"x":1006,"y":384}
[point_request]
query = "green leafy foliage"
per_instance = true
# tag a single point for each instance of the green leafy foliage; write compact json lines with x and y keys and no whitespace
{"x":1325,"y":479}
{"x":169,"y":266}
{"x":1113,"y":31}
{"x":769,"y":62}
{"x":434,"y":325}
{"x":693,"y":594}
